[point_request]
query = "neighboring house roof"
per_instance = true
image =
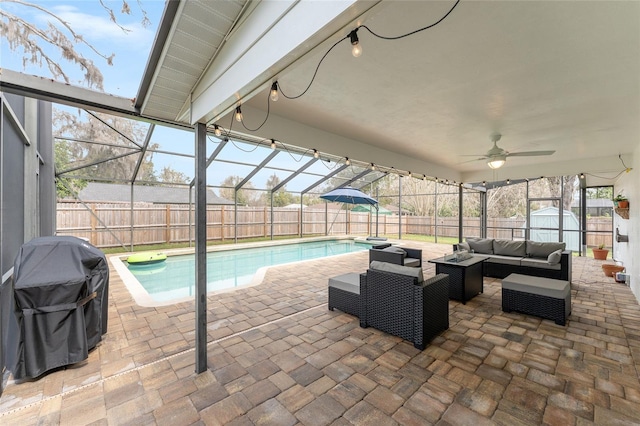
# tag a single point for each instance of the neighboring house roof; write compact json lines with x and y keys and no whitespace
{"x":118,"y":193}
{"x":330,"y":206}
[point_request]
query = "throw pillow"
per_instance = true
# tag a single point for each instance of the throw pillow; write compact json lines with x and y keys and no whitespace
{"x":481,"y":245}
{"x":397,"y":269}
{"x":464,"y":246}
{"x":555,"y":257}
{"x":394,"y":249}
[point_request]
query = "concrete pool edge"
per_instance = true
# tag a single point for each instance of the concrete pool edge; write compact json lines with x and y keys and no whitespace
{"x":142,"y":298}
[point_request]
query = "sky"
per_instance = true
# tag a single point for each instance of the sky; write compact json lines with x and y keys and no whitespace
{"x":131,"y":49}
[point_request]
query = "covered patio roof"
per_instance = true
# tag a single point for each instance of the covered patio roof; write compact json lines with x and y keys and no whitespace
{"x":554,"y":76}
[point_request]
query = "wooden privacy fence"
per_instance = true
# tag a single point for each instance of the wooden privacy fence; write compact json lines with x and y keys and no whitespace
{"x":109,"y":225}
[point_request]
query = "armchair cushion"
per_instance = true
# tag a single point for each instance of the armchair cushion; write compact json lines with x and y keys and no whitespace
{"x":398,"y":269}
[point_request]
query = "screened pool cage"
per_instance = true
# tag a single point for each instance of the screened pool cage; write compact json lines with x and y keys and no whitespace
{"x":124,"y":183}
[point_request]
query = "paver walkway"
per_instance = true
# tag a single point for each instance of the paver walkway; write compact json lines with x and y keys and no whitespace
{"x":277,"y":356}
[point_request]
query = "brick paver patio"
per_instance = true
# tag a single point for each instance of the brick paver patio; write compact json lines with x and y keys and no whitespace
{"x":277,"y":356}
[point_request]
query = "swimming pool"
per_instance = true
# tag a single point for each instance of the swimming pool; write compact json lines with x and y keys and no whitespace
{"x":174,"y":279}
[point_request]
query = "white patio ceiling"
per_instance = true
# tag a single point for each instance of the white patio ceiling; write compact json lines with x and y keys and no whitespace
{"x":555,"y":75}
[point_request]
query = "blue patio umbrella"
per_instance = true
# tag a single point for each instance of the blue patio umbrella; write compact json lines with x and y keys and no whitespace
{"x":351,"y":195}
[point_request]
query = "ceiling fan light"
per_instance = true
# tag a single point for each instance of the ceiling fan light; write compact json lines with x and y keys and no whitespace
{"x":496,"y":162}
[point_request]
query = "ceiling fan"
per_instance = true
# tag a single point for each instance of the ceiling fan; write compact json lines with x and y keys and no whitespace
{"x":496,"y":156}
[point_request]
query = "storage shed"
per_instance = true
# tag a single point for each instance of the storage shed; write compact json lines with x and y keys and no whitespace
{"x":547,"y":217}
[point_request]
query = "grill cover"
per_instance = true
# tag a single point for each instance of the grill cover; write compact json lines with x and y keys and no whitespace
{"x":61,"y":302}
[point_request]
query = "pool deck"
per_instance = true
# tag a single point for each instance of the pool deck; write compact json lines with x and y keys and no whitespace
{"x":277,"y":356}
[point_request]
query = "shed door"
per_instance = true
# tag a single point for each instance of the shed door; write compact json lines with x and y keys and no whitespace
{"x":544,"y":216}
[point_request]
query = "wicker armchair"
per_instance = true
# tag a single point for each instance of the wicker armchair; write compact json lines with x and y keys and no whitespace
{"x":413,"y":256}
{"x":399,"y":305}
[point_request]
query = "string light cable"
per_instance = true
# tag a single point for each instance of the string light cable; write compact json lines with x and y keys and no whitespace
{"x":624,"y":170}
{"x":412,"y":32}
{"x":353,"y":35}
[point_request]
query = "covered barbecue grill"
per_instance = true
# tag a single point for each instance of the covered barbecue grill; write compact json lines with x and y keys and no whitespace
{"x":61,"y":303}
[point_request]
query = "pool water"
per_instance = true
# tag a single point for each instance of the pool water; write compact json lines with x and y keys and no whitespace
{"x":175,"y":278}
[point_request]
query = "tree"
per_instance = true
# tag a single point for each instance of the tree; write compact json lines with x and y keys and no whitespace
{"x":39,"y":42}
{"x":245,"y":196}
{"x":281,"y":197}
{"x":169,"y":175}
{"x":65,"y":187}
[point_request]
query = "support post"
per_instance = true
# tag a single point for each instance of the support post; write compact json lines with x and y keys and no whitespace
{"x":400,"y":207}
{"x":460,"y":209}
{"x":201,"y":247}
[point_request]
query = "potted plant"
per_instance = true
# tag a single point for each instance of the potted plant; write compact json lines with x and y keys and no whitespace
{"x":600,"y":253}
{"x":621,"y":201}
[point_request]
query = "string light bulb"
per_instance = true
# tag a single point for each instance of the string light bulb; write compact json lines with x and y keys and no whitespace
{"x":273,"y":144}
{"x":484,"y":183}
{"x":274,"y":92}
{"x":373,"y":166}
{"x":508,"y":181}
{"x":356,"y":49}
{"x":316,"y":154}
{"x":216,"y":130}
{"x":581,"y":175}
{"x":238,"y":114}
{"x":424,"y":177}
{"x":347,"y":161}
{"x":410,"y":173}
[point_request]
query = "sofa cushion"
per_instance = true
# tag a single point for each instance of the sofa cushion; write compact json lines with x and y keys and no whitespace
{"x":540,"y":264}
{"x":394,"y":249}
{"x":397,"y":269}
{"x":509,"y":248}
{"x":481,"y":245}
{"x":543,"y":250}
{"x":554,"y":257}
{"x":505,"y":260}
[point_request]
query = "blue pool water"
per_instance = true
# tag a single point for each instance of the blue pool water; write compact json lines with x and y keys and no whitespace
{"x":175,"y":278}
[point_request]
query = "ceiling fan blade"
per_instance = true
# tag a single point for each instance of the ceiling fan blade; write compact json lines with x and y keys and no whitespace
{"x":529,"y":153}
{"x":481,"y":156}
{"x":475,"y":159}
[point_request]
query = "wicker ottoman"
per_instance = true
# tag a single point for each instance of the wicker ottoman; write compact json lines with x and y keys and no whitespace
{"x":344,"y":293}
{"x":542,"y":297}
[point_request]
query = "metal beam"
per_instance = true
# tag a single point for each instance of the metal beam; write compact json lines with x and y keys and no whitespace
{"x":112,"y":128}
{"x":256,"y":170}
{"x":143,"y":152}
{"x":355,"y":178}
{"x":324,"y":179}
{"x":201,"y":248}
{"x":54,"y":91}
{"x":115,"y":157}
{"x":296,"y":173}
{"x":373,"y":181}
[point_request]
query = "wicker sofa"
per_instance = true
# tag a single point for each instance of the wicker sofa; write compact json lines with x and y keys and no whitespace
{"x":541,"y":259}
{"x":396,"y":300}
